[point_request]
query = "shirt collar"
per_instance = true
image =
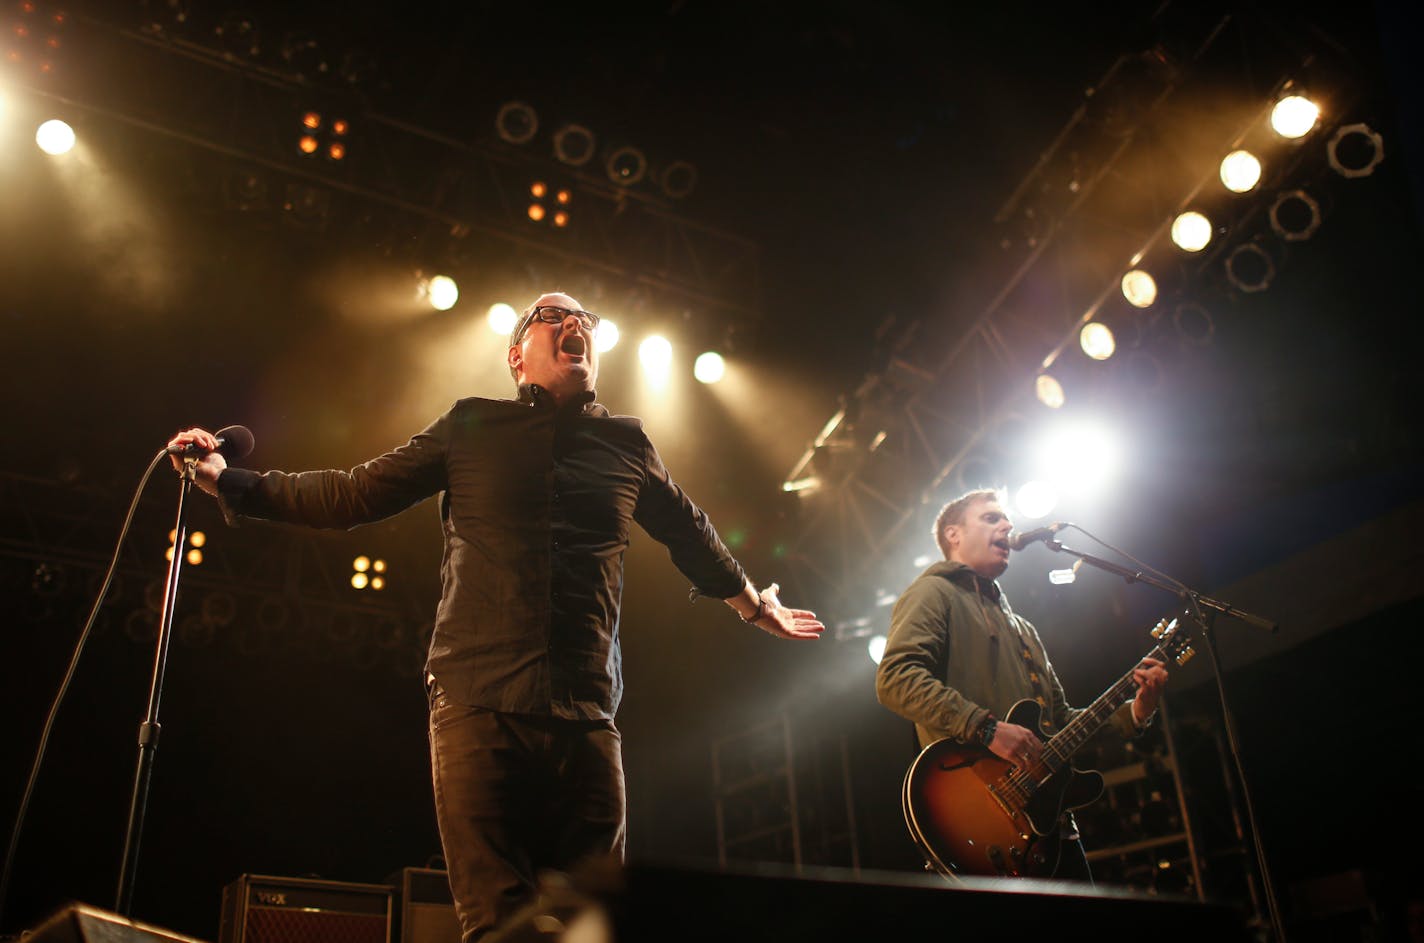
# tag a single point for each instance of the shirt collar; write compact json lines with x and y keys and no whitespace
{"x":533,"y":394}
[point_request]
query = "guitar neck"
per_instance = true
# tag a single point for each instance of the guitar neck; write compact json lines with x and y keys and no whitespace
{"x":1060,"y":749}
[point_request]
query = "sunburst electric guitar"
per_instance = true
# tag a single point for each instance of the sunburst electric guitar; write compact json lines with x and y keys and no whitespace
{"x":974,"y":814}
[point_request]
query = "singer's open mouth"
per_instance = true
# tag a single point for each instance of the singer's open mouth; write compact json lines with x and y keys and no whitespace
{"x":1002,"y":543}
{"x":574,"y":344}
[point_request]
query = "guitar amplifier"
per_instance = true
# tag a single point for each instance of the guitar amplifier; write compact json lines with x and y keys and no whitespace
{"x":262,"y":909}
{"x":426,"y":911}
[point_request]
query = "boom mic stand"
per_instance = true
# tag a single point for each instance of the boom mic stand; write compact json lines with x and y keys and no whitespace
{"x":1205,"y":610}
{"x":149,"y":728}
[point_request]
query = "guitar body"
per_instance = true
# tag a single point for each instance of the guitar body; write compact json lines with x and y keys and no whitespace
{"x":973,"y":813}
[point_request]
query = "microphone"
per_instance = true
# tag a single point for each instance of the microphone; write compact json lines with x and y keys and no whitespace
{"x":234,"y":442}
{"x":1020,"y":541}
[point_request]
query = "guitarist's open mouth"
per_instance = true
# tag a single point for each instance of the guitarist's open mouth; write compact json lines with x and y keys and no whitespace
{"x":1002,"y":544}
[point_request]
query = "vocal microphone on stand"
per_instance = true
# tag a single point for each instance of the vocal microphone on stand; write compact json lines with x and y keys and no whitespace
{"x":234,"y":442}
{"x":1020,"y":541}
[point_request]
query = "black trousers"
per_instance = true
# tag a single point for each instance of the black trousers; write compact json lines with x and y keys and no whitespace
{"x":516,"y":795}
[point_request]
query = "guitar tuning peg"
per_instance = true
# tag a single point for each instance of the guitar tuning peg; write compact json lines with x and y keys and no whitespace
{"x":1187,"y":655}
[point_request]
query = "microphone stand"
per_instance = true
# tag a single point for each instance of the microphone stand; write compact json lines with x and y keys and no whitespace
{"x":1205,"y":610}
{"x":148,"y":730}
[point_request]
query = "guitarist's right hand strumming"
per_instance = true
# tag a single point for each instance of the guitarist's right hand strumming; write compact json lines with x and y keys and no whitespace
{"x":1018,"y":745}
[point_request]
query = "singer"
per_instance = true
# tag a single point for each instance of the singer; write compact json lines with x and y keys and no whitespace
{"x":524,"y":672}
{"x":958,"y":657}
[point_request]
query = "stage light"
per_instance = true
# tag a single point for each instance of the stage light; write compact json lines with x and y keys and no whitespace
{"x":442,"y":292}
{"x":197,"y":538}
{"x":1139,"y":288}
{"x":538,"y":189}
{"x":1295,"y":216}
{"x":709,"y":367}
{"x":336,"y":151}
{"x":536,"y":211}
{"x":1048,"y":390}
{"x":626,"y":166}
{"x":502,"y":318}
{"x":307,"y":144}
{"x":195,"y":557}
{"x":1035,"y":499}
{"x":1240,"y":171}
{"x":1249,"y":268}
{"x":340,"y":126}
{"x":1354,"y":151}
{"x":876,"y":647}
{"x":361,"y":564}
{"x":516,"y":123}
{"x":311,"y":120}
{"x":561,"y":219}
{"x":359,"y":580}
{"x":1097,"y":341}
{"x":1080,"y":458}
{"x":1294,"y":116}
{"x":607,"y":337}
{"x":1191,"y":231}
{"x":678,"y":180}
{"x":563,"y":197}
{"x":54,"y":137}
{"x":655,"y":354}
{"x":574,"y":145}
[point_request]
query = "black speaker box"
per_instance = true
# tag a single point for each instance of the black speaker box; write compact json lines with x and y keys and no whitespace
{"x":259,"y":908}
{"x":79,"y":923}
{"x":426,"y":911}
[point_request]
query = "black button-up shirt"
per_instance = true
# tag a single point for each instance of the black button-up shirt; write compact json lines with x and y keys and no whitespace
{"x":536,"y":512}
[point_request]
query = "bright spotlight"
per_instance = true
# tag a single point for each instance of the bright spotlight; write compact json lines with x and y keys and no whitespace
{"x":1036,"y":499}
{"x":1139,"y":288}
{"x":655,"y":353}
{"x":1191,"y":231}
{"x":442,"y":292}
{"x":1049,"y":391}
{"x":876,"y":647}
{"x":1240,"y":171}
{"x":1081,"y":458}
{"x":606,"y":337}
{"x":502,"y":318}
{"x":55,"y":137}
{"x":709,"y":367}
{"x":1097,"y":341}
{"x":1294,"y":116}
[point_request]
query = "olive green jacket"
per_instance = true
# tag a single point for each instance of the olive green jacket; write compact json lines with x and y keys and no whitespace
{"x":957,"y":653}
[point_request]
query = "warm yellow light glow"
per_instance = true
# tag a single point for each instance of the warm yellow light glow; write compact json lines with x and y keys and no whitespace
{"x":195,"y":556}
{"x":359,"y":580}
{"x":307,"y":144}
{"x":502,"y":318}
{"x":1240,"y":171}
{"x":563,"y":196}
{"x":1294,"y":116}
{"x":168,"y":554}
{"x":443,"y":292}
{"x":361,"y":564}
{"x":561,"y":219}
{"x":655,"y":354}
{"x":340,"y":126}
{"x":172,"y":535}
{"x":536,"y":212}
{"x":1191,"y":231}
{"x":378,"y":565}
{"x":1097,"y":340}
{"x":378,"y":583}
{"x":1139,"y":288}
{"x":197,"y":538}
{"x":55,"y":137}
{"x":336,"y":151}
{"x":1049,"y":391}
{"x":537,"y":189}
{"x":709,"y":367}
{"x":607,"y":337}
{"x":311,"y":120}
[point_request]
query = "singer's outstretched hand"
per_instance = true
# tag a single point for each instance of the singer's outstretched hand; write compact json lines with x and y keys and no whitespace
{"x":210,"y":461}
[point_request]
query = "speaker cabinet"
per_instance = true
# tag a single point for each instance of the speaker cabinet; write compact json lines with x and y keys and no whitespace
{"x":426,"y":911}
{"x":263,"y":909}
{"x":79,"y":923}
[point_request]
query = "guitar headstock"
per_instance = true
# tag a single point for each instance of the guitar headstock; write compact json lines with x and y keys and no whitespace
{"x":1173,"y":641}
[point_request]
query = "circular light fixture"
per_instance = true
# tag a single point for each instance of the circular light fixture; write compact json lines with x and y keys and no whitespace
{"x":709,"y":367}
{"x":606,"y":337}
{"x":678,"y":179}
{"x":1049,"y":391}
{"x":1191,"y":231}
{"x":516,"y":123}
{"x":1295,"y":216}
{"x":876,"y":647}
{"x":1193,"y":324}
{"x":1355,"y":150}
{"x":54,"y":137}
{"x":655,"y":353}
{"x":1240,"y":171}
{"x":1294,"y":116}
{"x":502,"y":318}
{"x":1036,"y":499}
{"x":1249,"y":268}
{"x":626,"y":166}
{"x":442,"y":292}
{"x":1139,"y":288}
{"x":1097,"y":341}
{"x":574,"y":145}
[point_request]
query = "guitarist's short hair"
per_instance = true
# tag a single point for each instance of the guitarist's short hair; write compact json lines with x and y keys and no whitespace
{"x":954,"y":511}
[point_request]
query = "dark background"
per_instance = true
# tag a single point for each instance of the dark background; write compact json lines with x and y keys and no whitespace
{"x":864,"y":147}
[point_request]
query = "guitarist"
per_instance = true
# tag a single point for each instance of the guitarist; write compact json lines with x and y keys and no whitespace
{"x":958,"y":658}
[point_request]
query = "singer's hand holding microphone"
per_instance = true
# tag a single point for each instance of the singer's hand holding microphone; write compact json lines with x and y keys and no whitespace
{"x":212,"y":450}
